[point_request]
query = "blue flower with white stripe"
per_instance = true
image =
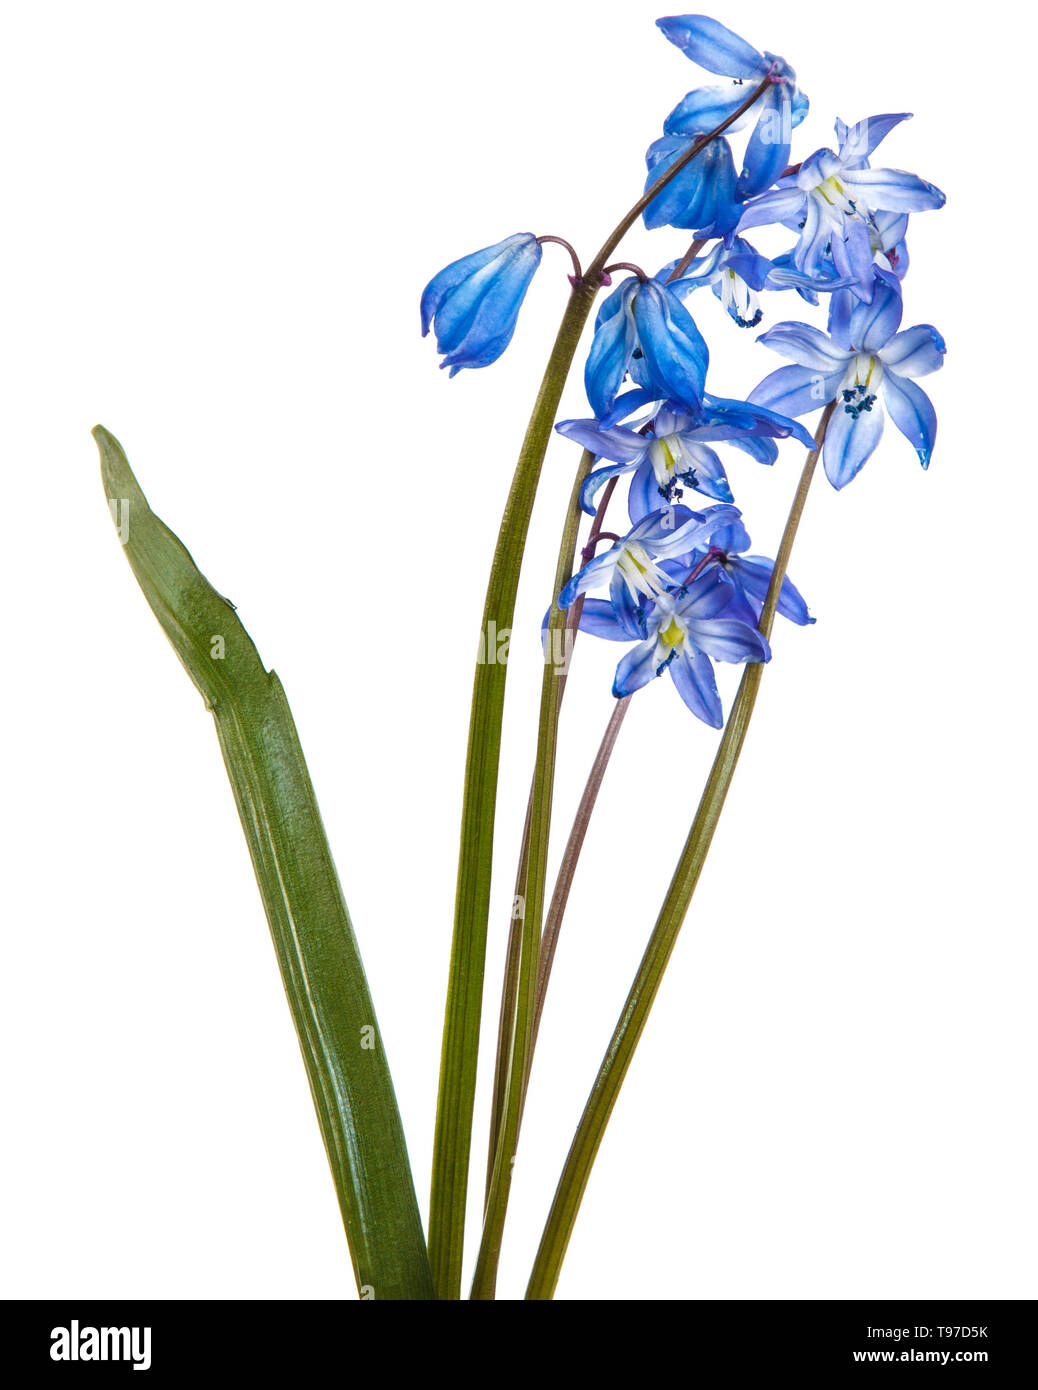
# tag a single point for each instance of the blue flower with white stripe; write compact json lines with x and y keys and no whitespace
{"x":842,"y":207}
{"x":864,"y":365}
{"x":672,"y":450}
{"x":681,"y":630}
{"x":473,"y":303}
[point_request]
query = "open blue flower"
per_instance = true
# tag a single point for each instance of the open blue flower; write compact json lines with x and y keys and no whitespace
{"x":864,"y":361}
{"x":836,"y":202}
{"x":678,"y":632}
{"x":781,"y":108}
{"x":644,"y":329}
{"x":473,"y":303}
{"x":672,"y":450}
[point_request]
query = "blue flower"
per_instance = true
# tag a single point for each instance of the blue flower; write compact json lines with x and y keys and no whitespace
{"x":632,"y":565}
{"x":644,"y":329}
{"x":678,"y":632}
{"x":837,"y":203}
{"x":671,"y":450}
{"x":473,"y":303}
{"x":781,"y":108}
{"x":735,"y":272}
{"x":864,"y":361}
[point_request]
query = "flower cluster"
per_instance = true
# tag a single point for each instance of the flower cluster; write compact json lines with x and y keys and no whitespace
{"x":680,"y":584}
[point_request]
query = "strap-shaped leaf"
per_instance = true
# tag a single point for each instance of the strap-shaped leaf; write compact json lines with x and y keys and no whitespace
{"x":313,"y":937}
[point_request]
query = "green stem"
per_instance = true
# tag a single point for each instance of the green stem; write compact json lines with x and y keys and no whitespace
{"x":460,"y":1046}
{"x":460,"y":1049}
{"x":563,"y":574}
{"x":628,"y":1031}
{"x":485,"y":1277}
{"x":516,"y":1036}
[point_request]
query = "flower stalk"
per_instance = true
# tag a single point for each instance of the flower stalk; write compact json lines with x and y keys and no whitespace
{"x":628,"y":1031}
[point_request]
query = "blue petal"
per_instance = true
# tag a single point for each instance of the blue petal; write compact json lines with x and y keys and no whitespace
{"x":619,"y":445}
{"x":626,"y":405}
{"x":594,"y":482}
{"x":701,"y":111}
{"x":912,"y":412}
{"x":849,"y":442}
{"x":784,"y":275}
{"x":698,"y":530}
{"x":693,"y":677}
{"x":853,"y":257}
{"x":915,"y":352}
{"x":613,"y":303}
{"x":892,"y":190}
{"x":857,"y":142}
{"x":596,"y":571}
{"x":890,"y":228}
{"x":637,"y":668}
{"x":707,"y":596}
{"x":712,"y":46}
{"x":805,"y":345}
{"x":708,"y":471}
{"x":753,"y":573}
{"x":796,"y":390}
{"x":676,"y":356}
{"x":728,"y":639}
{"x":644,"y":496}
{"x":659,"y":526}
{"x":702,"y":270}
{"x":751,"y":267}
{"x":599,"y":617}
{"x":732,"y":539}
{"x":810,"y":254}
{"x":841,"y":307}
{"x":733,"y":420}
{"x":611,"y":350}
{"x":801,"y":105}
{"x":633,"y":613}
{"x":762,"y":450}
{"x":785,"y":205}
{"x":873,"y":325}
{"x":767,"y":150}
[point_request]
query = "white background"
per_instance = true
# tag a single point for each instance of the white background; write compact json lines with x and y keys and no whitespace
{"x":218,"y":219}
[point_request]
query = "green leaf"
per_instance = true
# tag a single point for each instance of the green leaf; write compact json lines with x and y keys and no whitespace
{"x":320,"y":963}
